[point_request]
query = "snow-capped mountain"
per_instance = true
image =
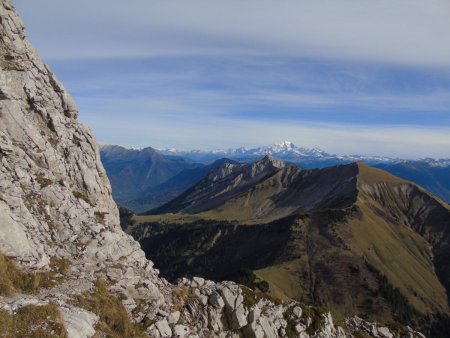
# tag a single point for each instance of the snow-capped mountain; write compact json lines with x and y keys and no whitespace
{"x":288,"y":148}
{"x":443,"y":162}
{"x":286,"y":151}
{"x":146,"y":178}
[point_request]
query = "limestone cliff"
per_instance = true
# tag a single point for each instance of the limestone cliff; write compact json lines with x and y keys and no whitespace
{"x":55,"y":203}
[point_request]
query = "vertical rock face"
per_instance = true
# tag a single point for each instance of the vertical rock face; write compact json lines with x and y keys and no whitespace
{"x":55,"y":201}
{"x":55,"y":198}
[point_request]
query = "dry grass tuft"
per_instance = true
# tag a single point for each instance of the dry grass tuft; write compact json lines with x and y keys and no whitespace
{"x":43,"y":181}
{"x":33,"y":321}
{"x":82,"y":196}
{"x":14,"y":280}
{"x":100,"y":217}
{"x":114,"y":319}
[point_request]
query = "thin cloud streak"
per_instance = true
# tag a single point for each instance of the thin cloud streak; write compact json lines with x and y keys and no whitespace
{"x":367,"y":77}
{"x":227,"y":87}
{"x":406,"y":31}
{"x":180,"y":126}
{"x":400,"y":141}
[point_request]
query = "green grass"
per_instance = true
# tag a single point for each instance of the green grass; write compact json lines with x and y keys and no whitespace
{"x":33,"y":321}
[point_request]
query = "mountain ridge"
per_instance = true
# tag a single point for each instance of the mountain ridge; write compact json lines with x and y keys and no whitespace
{"x":289,"y":152}
{"x":434,"y":175}
{"x":134,"y":172}
{"x":381,"y":225}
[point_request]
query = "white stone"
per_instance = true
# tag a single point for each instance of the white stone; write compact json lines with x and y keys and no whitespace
{"x":164,"y":328}
{"x":297,"y":311}
{"x":254,"y":314}
{"x":216,"y":300}
{"x":385,"y":332}
{"x":198,"y":281}
{"x":181,"y":331}
{"x":79,"y":323}
{"x":174,"y":317}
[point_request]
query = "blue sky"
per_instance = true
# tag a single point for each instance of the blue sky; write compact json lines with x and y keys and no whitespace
{"x":368,"y":77}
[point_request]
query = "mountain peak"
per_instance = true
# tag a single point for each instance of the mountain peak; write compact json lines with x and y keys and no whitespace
{"x":285,"y":144}
{"x":269,"y":160}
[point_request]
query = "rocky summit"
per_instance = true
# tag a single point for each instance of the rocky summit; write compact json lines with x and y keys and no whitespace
{"x":66,"y":267}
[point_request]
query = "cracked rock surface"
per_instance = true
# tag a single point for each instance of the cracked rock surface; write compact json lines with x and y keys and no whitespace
{"x":55,"y":201}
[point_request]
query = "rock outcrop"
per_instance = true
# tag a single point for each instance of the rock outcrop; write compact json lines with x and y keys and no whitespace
{"x":55,"y":203}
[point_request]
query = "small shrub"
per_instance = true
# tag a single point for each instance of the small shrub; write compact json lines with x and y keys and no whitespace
{"x":288,"y":315}
{"x":360,"y":334}
{"x":316,"y":314}
{"x":250,"y":297}
{"x":181,"y":298}
{"x":248,"y":278}
{"x":262,"y":285}
{"x":126,"y":217}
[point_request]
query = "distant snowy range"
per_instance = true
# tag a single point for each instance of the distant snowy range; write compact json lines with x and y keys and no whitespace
{"x":146,"y":178}
{"x":289,"y":152}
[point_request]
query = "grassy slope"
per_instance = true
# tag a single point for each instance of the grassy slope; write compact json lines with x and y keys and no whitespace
{"x":398,"y":252}
{"x":324,"y":260}
{"x":323,"y":271}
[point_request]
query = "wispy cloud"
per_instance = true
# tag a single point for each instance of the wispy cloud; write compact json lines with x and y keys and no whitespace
{"x":216,"y":132}
{"x":349,"y":76}
{"x":263,"y":88}
{"x":405,"y":31}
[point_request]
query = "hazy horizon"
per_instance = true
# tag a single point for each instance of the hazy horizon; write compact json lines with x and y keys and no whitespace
{"x":370,"y":78}
{"x":211,"y":150}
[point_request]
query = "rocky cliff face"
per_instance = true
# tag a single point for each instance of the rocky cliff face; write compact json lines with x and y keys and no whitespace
{"x":55,"y":203}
